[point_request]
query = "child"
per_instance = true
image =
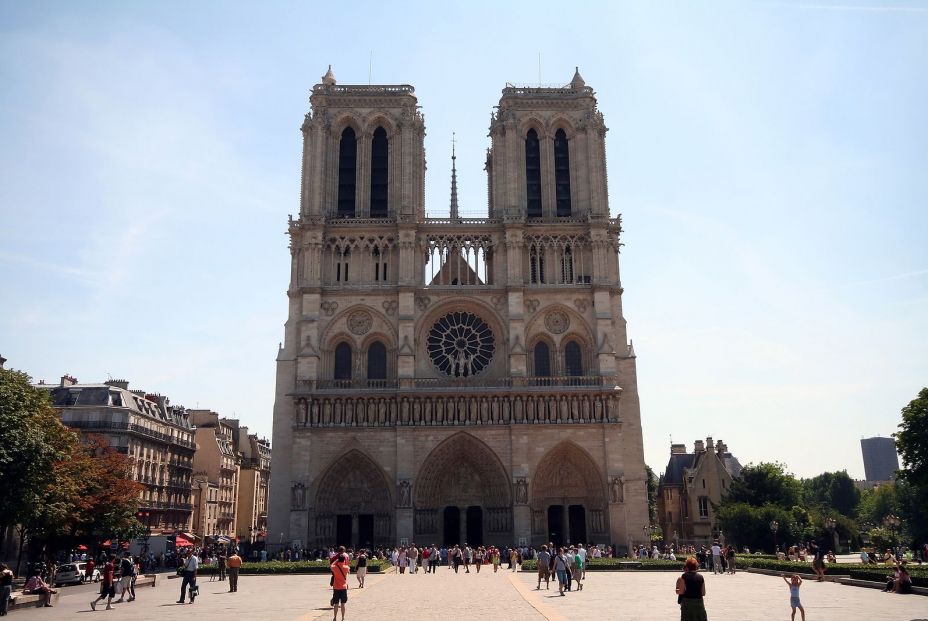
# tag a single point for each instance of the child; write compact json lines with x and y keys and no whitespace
{"x":794,"y":583}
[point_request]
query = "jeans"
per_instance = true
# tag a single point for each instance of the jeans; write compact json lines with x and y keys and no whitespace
{"x":189,"y":579}
{"x":5,"y":593}
{"x":716,"y":564}
{"x":233,"y":579}
{"x":222,"y":571}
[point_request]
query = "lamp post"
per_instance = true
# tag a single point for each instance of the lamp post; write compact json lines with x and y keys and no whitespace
{"x":147,"y":517}
{"x":892,"y":522}
{"x":774,"y":527}
{"x":831,"y":524}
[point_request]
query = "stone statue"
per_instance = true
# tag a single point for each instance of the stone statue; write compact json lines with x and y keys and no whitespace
{"x":297,"y":496}
{"x":303,"y":412}
{"x":405,"y":494}
{"x":521,"y":491}
{"x":618,"y":489}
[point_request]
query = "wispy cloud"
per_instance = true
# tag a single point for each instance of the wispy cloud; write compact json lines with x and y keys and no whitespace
{"x":902,"y":276}
{"x":875,"y":8}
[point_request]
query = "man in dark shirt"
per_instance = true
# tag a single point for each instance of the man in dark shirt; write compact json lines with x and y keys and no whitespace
{"x":544,"y":570}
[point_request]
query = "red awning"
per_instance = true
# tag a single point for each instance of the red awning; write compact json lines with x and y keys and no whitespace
{"x":82,"y":547}
{"x":181,"y":541}
{"x":106,"y":543}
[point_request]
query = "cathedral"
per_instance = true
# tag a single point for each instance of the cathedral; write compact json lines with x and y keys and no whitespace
{"x":455,"y":379}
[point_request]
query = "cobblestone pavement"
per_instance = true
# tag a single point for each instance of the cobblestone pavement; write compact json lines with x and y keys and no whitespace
{"x":629,"y":596}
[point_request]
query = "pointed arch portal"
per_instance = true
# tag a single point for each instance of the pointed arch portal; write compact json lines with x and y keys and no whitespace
{"x":353,"y":503}
{"x":463,"y":494}
{"x":568,"y":499}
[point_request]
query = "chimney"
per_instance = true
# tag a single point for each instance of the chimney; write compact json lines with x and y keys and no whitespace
{"x":677,"y":449}
{"x":2,"y":361}
{"x":67,"y":380}
{"x":721,"y":447}
{"x":698,"y":446}
{"x":118,"y":383}
{"x":709,"y":443}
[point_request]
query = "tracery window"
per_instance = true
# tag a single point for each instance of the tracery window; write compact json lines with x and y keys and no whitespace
{"x":562,"y":173}
{"x":573,"y":359}
{"x":537,"y":260}
{"x":460,"y":344}
{"x":542,"y":359}
{"x":377,"y":361}
{"x":532,"y":174}
{"x":380,"y":266}
{"x":379,"y":174}
{"x":347,"y":172}
{"x":567,"y":266}
{"x":342,"y":362}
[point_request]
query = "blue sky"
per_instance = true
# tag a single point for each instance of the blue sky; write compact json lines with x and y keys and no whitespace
{"x":769,"y":159}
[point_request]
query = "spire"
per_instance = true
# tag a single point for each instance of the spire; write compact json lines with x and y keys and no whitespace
{"x":454,"y":182}
{"x":329,"y":78}
{"x":577,"y":82}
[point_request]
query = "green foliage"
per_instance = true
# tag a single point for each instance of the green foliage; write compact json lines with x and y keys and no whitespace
{"x":652,"y":494}
{"x":747,"y":525}
{"x":912,"y":444}
{"x":881,"y":539}
{"x":299,"y":567}
{"x":876,"y":504}
{"x":882,"y":574}
{"x":765,"y":484}
{"x":619,"y":564}
{"x":832,"y":492}
{"x":746,"y":561}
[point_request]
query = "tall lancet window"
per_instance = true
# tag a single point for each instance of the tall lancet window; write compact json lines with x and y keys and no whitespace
{"x":532,"y":175}
{"x":347,"y":172}
{"x":343,"y":356}
{"x":562,"y":173}
{"x":379,"y":161}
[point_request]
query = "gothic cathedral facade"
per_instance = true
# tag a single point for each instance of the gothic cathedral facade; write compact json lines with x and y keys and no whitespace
{"x":455,"y":379}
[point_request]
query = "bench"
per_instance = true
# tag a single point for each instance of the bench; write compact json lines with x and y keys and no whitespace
{"x":20,"y":600}
{"x":870,"y":584}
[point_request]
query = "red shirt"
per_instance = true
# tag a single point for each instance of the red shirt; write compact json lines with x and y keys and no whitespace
{"x":108,"y":573}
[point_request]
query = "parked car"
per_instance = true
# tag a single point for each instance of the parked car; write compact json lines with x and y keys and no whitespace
{"x":75,"y":573}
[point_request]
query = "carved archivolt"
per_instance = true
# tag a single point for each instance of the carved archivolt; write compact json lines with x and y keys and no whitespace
{"x":353,"y":484}
{"x":462,"y":471}
{"x":567,"y":475}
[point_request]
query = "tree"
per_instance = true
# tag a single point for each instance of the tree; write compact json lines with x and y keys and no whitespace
{"x":912,"y":444}
{"x":765,"y":483}
{"x":652,"y":495}
{"x":32,"y":439}
{"x":877,"y":503}
{"x":832,"y":492}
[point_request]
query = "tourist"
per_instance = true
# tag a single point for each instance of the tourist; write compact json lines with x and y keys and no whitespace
{"x":468,"y":557}
{"x":544,"y":569}
{"x":494,"y":557}
{"x":126,"y":571}
{"x":401,"y":560}
{"x":577,"y":570}
{"x":412,"y":556}
{"x":221,"y":565}
{"x":233,"y":565}
{"x":456,"y":557}
{"x":716,"y":558}
{"x":362,"y":568}
{"x":340,"y":570}
{"x":88,"y":570}
{"x":730,"y":559}
{"x":513,"y":559}
{"x":107,"y":588}
{"x":6,"y":588}
{"x":36,"y":586}
{"x":794,"y":583}
{"x":581,"y":552}
{"x":561,"y":566}
{"x":691,"y":589}
{"x":479,"y":555}
{"x":190,"y":566}
{"x":818,"y":561}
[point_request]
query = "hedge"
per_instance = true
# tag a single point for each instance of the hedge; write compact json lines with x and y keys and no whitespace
{"x":882,"y":574}
{"x":619,"y":564}
{"x":296,"y":567}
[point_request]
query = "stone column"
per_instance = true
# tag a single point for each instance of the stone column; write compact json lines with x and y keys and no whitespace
{"x":463,"y":514}
{"x":566,"y":523}
{"x":355,"y":531}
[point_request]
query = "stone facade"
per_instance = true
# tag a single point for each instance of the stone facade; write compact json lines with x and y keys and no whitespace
{"x":147,"y":428}
{"x":455,"y":379}
{"x":691,"y":487}
{"x":254,"y":474}
{"x":216,"y":464}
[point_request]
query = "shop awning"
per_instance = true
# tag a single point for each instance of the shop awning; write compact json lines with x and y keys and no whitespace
{"x":181,"y":541}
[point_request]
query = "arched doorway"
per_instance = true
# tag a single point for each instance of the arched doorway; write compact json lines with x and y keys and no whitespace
{"x":568,"y":498}
{"x":353,"y":505}
{"x":463,"y":494}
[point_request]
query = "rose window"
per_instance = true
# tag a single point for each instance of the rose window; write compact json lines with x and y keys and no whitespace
{"x":460,"y":344}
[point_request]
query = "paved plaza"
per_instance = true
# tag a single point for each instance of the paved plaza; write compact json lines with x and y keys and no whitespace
{"x":631,"y":596}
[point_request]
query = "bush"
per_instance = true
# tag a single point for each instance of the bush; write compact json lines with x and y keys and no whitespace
{"x":882,"y":574}
{"x":299,"y":567}
{"x":619,"y":564}
{"x":795,"y":567}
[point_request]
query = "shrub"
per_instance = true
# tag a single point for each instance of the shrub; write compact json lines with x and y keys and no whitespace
{"x":299,"y":567}
{"x":882,"y":574}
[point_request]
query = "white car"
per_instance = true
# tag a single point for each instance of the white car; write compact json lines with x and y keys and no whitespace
{"x":75,"y":573}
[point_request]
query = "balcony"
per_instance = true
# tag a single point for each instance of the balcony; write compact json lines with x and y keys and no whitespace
{"x":105,"y":425}
{"x":455,"y":384}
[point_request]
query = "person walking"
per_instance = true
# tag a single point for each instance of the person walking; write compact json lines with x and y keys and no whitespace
{"x":233,"y":564}
{"x":544,"y":570}
{"x":730,"y":559}
{"x":362,"y":568}
{"x":221,"y":565}
{"x":716,"y":558}
{"x":561,"y":567}
{"x":6,"y":588}
{"x":691,"y":589}
{"x":456,"y":557}
{"x":190,"y":567}
{"x":126,"y":571}
{"x":107,"y":588}
{"x":340,"y":570}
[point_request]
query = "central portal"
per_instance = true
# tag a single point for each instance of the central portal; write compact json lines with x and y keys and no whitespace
{"x":475,"y":526}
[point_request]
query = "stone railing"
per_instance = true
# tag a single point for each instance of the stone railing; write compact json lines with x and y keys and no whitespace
{"x":514,"y":407}
{"x":456,"y":384}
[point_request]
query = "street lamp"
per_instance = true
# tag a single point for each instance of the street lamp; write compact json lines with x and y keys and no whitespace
{"x":831,"y":524}
{"x":892,"y":522}
{"x":774,"y":526}
{"x":146,"y":515}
